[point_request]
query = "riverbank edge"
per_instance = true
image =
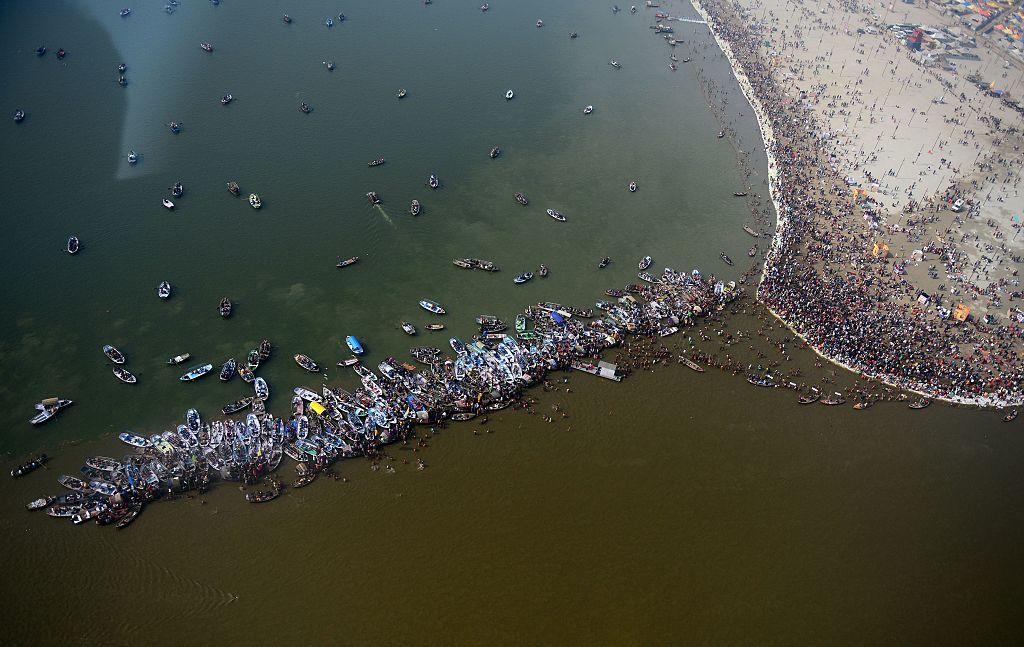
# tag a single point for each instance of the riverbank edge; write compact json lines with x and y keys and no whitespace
{"x":783,"y":224}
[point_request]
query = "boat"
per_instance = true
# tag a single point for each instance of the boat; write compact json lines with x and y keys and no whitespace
{"x":125,"y":375}
{"x":286,"y":18}
{"x":645,"y":262}
{"x":692,"y":364}
{"x":509,"y":95}
{"x":435,"y":326}
{"x":305,"y":108}
{"x":432,"y":181}
{"x":376,"y":162}
{"x":604,"y":263}
{"x":253,"y":360}
{"x":262,"y":496}
{"x":233,"y":189}
{"x":543,"y":270}
{"x":227,"y":370}
{"x":728,"y":261}
{"x":556,"y":215}
{"x":615,"y":64}
{"x":329,"y":22}
{"x":809,"y":398}
{"x":224,"y":307}
{"x":73,"y":245}
{"x":751,"y":231}
{"x":408,"y":328}
{"x":833,"y":399}
{"x":1010,"y":417}
{"x":521,"y":199}
{"x":306,"y":363}
{"x":740,"y":194}
{"x":401,"y":93}
{"x":40,"y":51}
{"x":588,"y":110}
{"x":206,"y":47}
{"x":113,"y":354}
{"x":329,"y":65}
{"x":414,"y":208}
{"x":236,"y":406}
{"x":103,"y":487}
{"x":351,"y":361}
{"x":226,"y":99}
{"x":73,"y":483}
{"x":573,"y":34}
{"x":29,"y":467}
{"x":310,"y":476}
{"x":632,"y":187}
{"x":540,"y":23}
{"x":164,"y":290}
{"x":373,"y":197}
{"x":485,"y":7}
{"x":670,"y":330}
{"x":132,"y":157}
{"x":265,"y":349}
{"x":645,"y":276}
{"x":673,"y":57}
{"x":246,"y":374}
{"x":523,"y":278}
{"x":196,"y":372}
{"x":61,"y":53}
{"x":178,"y":359}
{"x":261,"y":388}
{"x":920,"y":403}
{"x":254,"y":201}
{"x":347,"y":261}
{"x":721,"y":134}
{"x":687,"y":59}
{"x":129,"y":517}
{"x":466,"y":263}
{"x":431,"y":306}
{"x":167,"y":203}
{"x":495,"y":151}
{"x":39,"y":503}
{"x":48,"y":408}
{"x":761,"y":380}
{"x":177,"y":190}
{"x":863,"y":404}
{"x":353,"y":345}
{"x":175,"y":127}
{"x":134,"y":440}
{"x":752,"y":252}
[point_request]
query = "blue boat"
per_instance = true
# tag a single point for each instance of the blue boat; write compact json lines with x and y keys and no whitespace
{"x":196,"y":372}
{"x":354,"y":345}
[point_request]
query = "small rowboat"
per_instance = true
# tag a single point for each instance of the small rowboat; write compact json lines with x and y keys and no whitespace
{"x":809,"y":398}
{"x":728,"y":261}
{"x":414,"y":208}
{"x":348,"y":261}
{"x":402,"y":93}
{"x":556,"y":215}
{"x":1007,"y":418}
{"x":920,"y":403}
{"x":134,"y":440}
{"x":167,"y":203}
{"x":751,"y":231}
{"x":254,"y":201}
{"x":178,"y":359}
{"x":125,"y":375}
{"x":73,"y":245}
{"x":435,"y":326}
{"x":834,"y":399}
{"x":224,"y":308}
{"x":113,"y":354}
{"x":521,"y":199}
{"x":645,"y":262}
{"x":306,"y":363}
{"x":691,"y":364}
{"x":354,"y":345}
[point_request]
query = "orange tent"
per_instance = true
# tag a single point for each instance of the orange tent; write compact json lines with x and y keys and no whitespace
{"x":960,"y":312}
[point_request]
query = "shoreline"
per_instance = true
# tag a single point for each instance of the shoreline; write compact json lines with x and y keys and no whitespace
{"x":783,"y":224}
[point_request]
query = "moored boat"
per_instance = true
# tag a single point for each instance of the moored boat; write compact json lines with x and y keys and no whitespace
{"x":134,"y":440}
{"x":306,"y":363}
{"x":227,"y":370}
{"x":246,"y":374}
{"x":833,"y":399}
{"x":129,"y":517}
{"x":253,"y":360}
{"x":261,"y":388}
{"x":1010,"y":417}
{"x":236,"y":406}
{"x":809,"y":398}
{"x":691,"y":364}
{"x":40,"y":503}
{"x":262,"y":496}
{"x":920,"y":403}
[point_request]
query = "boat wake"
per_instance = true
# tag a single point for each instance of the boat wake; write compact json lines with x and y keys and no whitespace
{"x":385,"y":214}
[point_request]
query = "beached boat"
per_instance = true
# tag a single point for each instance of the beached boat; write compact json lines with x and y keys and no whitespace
{"x":254,"y":201}
{"x":234,"y":189}
{"x":167,"y":203}
{"x":691,"y":364}
{"x":261,"y":388}
{"x":29,"y":467}
{"x":164,"y":290}
{"x":227,"y":370}
{"x":1010,"y":417}
{"x":556,"y":215}
{"x":178,"y":359}
{"x":920,"y":403}
{"x":73,"y":245}
{"x":196,"y":372}
{"x":523,"y":278}
{"x":354,"y":345}
{"x":431,"y":306}
{"x":113,"y":354}
{"x":306,"y":363}
{"x":408,"y":328}
{"x":373,"y":197}
{"x":414,"y":208}
{"x":236,"y":406}
{"x":348,"y":261}
{"x":645,"y":262}
{"x":224,"y":307}
{"x":125,"y":375}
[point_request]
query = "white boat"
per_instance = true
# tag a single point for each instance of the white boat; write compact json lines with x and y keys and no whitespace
{"x":254,"y":201}
{"x":645,"y":262}
{"x":615,"y":64}
{"x":509,"y":94}
{"x":132,"y":157}
{"x":262,"y":390}
{"x":632,"y":187}
{"x":408,"y":328}
{"x":432,"y":306}
{"x":556,"y":215}
{"x":588,"y":110}
{"x":164,"y":290}
{"x":167,"y":203}
{"x":196,"y":372}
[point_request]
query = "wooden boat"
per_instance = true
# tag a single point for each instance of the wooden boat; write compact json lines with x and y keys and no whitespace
{"x":495,"y":151}
{"x":73,"y":245}
{"x":431,"y":306}
{"x":402,"y":93}
{"x":304,"y":479}
{"x":329,"y":65}
{"x":761,"y":380}
{"x":48,"y":408}
{"x":408,"y":328}
{"x":740,"y":194}
{"x":226,"y":99}
{"x":305,"y":108}
{"x":810,"y":397}
{"x":632,"y":187}
{"x":61,"y":53}
{"x":234,"y":189}
{"x":113,"y":354}
{"x":691,"y":364}
{"x":178,"y":359}
{"x":1010,"y":417}
{"x":128,"y":518}
{"x":920,"y":403}
{"x":435,"y":326}
{"x":509,"y":95}
{"x":236,"y":406}
{"x":29,"y":467}
{"x":196,"y":372}
{"x":752,"y":252}
{"x":645,"y":276}
{"x":175,"y":127}
{"x":556,"y":215}
{"x":262,"y":496}
{"x":521,"y":199}
{"x":751,"y":231}
{"x":728,"y":261}
{"x":373,"y":197}
{"x":376,"y":162}
{"x":103,"y":463}
{"x":125,"y":375}
{"x":306,"y":363}
{"x":261,"y":388}
{"x":254,"y":201}
{"x":227,"y":370}
{"x":164,"y":290}
{"x":347,"y":261}
{"x":463,"y":416}
{"x":463,"y":262}
{"x":523,"y":278}
{"x":253,"y":359}
{"x":224,"y":308}
{"x":433,"y":182}
{"x":134,"y":440}
{"x":177,"y":190}
{"x":246,"y":374}
{"x":604,"y":263}
{"x":414,"y":208}
{"x":833,"y":399}
{"x":40,"y":503}
{"x":645,"y":262}
{"x":264,"y":349}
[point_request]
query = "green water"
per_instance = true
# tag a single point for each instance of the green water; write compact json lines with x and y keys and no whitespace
{"x":670,"y":507}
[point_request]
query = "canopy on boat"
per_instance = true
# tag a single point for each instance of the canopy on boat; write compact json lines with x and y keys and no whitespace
{"x":317,"y":407}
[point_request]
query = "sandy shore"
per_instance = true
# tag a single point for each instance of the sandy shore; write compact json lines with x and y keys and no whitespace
{"x":996,"y":149}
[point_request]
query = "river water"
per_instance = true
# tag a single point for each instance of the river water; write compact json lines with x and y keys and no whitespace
{"x":672,"y":504}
